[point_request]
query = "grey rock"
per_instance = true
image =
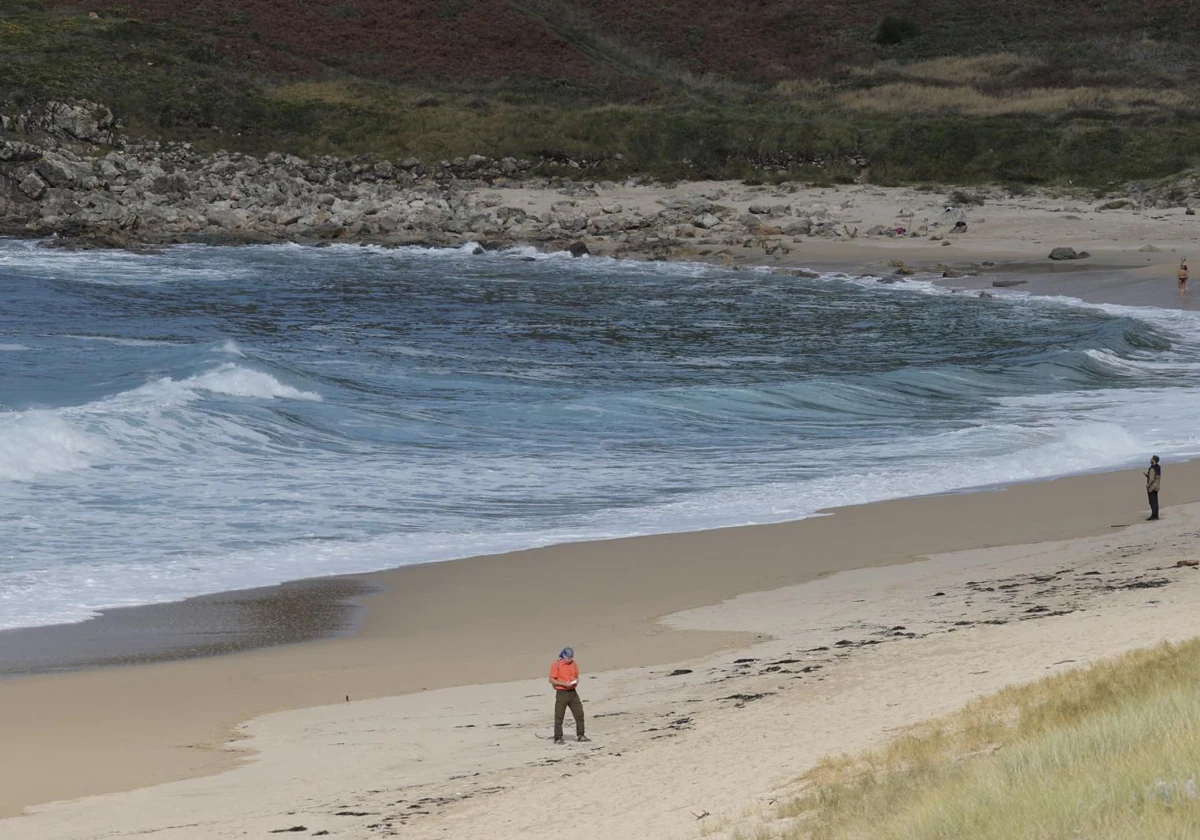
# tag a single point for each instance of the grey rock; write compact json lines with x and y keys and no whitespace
{"x":1005,"y":284}
{"x":83,"y":120}
{"x":56,"y":172}
{"x":578,"y":249}
{"x":13,"y":152}
{"x":175,"y":184}
{"x":33,"y":186}
{"x":1063,"y":253}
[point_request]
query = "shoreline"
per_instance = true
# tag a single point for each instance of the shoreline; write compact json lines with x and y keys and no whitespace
{"x":302,"y":610}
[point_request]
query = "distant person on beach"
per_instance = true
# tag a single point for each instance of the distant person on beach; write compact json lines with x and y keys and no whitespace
{"x":1153,"y":479}
{"x":1183,"y":276}
{"x":564,"y":676}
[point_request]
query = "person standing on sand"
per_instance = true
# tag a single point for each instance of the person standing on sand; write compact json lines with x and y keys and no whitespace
{"x":1183,"y":277}
{"x":564,"y":676}
{"x":1153,"y":479}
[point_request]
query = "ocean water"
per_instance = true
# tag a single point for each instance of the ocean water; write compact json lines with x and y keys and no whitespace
{"x":215,"y":418}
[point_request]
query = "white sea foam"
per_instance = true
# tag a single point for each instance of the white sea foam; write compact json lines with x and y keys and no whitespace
{"x":12,"y":348}
{"x":237,"y":381}
{"x":39,"y":442}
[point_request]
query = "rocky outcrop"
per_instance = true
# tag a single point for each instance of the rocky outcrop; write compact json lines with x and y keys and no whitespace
{"x":73,"y":121}
{"x":66,"y":172}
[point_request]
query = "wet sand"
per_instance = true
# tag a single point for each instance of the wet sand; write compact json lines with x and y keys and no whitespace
{"x":210,"y":625}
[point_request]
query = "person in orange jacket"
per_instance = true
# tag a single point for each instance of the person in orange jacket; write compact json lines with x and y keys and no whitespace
{"x":564,"y":676}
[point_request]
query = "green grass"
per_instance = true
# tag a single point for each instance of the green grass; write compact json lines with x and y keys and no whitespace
{"x":1107,"y":753}
{"x":175,"y":83}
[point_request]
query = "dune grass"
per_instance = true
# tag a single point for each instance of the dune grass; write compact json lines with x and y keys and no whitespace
{"x":1111,"y":752}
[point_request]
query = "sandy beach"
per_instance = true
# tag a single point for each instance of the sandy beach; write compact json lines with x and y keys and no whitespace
{"x":754,"y":650}
{"x":1133,"y":252}
{"x":800,"y":671}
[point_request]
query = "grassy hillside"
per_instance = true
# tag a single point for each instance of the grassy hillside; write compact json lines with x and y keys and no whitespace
{"x":950,"y":90}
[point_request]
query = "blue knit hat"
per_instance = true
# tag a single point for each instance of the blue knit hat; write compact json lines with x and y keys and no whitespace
{"x":566,"y":653}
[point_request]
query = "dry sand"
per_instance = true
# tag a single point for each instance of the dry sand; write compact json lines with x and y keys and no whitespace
{"x":1134,"y":252}
{"x":455,"y":754}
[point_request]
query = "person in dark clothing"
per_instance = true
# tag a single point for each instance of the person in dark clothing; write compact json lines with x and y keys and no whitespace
{"x":1153,"y":480}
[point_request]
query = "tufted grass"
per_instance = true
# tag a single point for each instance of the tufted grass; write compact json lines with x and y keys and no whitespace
{"x":1111,"y":752}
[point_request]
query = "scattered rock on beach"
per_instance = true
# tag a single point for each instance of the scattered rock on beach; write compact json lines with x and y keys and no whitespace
{"x":1004,"y":284}
{"x":1068,"y":254}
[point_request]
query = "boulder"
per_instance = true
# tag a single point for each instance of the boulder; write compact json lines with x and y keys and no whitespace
{"x":1005,"y":284}
{"x":33,"y":186}
{"x":56,"y":172}
{"x":578,"y":249}
{"x":82,"y":120}
{"x":1063,"y":253}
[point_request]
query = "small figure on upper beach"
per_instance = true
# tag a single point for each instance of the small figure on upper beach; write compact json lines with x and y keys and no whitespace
{"x":1183,"y":277}
{"x":1153,"y":480}
{"x":564,"y":676}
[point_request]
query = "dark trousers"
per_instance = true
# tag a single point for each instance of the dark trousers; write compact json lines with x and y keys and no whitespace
{"x":1153,"y":504}
{"x":562,"y":701}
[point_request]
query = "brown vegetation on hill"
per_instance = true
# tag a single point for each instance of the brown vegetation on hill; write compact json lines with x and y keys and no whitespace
{"x":754,"y":41}
{"x":376,"y":39}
